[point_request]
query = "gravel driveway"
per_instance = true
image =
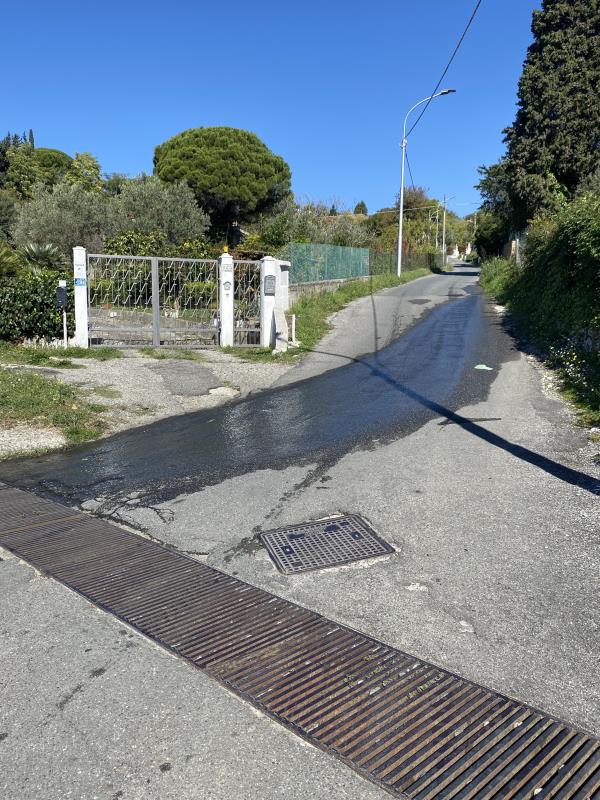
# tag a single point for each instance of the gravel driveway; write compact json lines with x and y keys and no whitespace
{"x":138,"y":390}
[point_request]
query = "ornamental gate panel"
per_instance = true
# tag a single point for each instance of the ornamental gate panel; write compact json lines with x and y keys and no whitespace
{"x":246,"y":303}
{"x":189,"y":302}
{"x":137,"y":300}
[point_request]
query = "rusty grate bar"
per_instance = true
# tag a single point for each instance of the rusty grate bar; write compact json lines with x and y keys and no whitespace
{"x":414,"y":729}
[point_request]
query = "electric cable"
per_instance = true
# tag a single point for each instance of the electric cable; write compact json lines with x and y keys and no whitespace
{"x":448,"y":65}
{"x":410,"y":171}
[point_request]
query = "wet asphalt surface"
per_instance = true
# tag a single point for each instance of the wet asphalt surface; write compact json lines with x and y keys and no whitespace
{"x":495,"y":575}
{"x":382,"y":396}
{"x":428,"y":372}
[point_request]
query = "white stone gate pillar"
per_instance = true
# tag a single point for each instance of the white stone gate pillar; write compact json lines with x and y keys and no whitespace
{"x":269,"y":278}
{"x":81,"y":337}
{"x":226,"y":286}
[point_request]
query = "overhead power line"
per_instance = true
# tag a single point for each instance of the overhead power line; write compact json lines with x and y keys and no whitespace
{"x":410,"y":172}
{"x":448,"y":65}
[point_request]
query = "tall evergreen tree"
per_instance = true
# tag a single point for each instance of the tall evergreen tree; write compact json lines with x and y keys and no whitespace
{"x":31,"y":139}
{"x":554,"y":142}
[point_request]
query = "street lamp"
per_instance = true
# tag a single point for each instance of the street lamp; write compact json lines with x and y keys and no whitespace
{"x":444,"y":248}
{"x":404,"y":143}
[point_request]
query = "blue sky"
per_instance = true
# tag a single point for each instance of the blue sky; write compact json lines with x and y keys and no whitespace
{"x":324,"y":84}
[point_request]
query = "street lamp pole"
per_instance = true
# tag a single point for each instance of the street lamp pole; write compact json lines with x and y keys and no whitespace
{"x":404,"y":143}
{"x":444,"y":248}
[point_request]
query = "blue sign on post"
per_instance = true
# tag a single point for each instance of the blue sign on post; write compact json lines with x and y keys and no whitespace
{"x":80,"y":282}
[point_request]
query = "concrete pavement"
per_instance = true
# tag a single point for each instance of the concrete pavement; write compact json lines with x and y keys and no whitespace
{"x":496,"y":578}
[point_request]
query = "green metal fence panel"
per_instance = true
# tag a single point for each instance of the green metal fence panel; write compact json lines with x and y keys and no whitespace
{"x":386,"y":263}
{"x":326,"y":262}
{"x":382,"y":263}
{"x":311,"y":263}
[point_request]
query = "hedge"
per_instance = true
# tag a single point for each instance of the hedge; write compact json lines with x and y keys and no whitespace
{"x":554,"y":297}
{"x":28,"y":308}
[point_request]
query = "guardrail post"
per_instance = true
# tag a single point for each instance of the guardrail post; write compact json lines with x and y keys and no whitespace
{"x":80,"y":292}
{"x":155,"y":303}
{"x":226,"y":292}
{"x":269,"y":278}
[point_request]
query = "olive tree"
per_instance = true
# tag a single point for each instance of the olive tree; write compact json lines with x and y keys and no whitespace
{"x":65,"y":216}
{"x":147,"y":204}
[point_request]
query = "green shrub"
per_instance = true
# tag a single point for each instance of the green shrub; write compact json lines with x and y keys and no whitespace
{"x":557,"y":294}
{"x":154,"y":243}
{"x":497,"y":278}
{"x":137,"y":243}
{"x":554,"y":298}
{"x":11,"y":262}
{"x":28,"y":308}
{"x":197,"y":293}
{"x":192,"y":248}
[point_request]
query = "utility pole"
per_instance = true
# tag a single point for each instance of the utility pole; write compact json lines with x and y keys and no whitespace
{"x":401,"y":215}
{"x":444,"y":237}
{"x":437,"y":227}
{"x":404,"y":143}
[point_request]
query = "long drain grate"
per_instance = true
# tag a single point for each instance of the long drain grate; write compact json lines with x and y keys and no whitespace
{"x":416,"y":730}
{"x":323,"y":543}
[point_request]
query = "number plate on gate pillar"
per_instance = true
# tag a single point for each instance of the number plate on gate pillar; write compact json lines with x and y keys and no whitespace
{"x":270,"y":285}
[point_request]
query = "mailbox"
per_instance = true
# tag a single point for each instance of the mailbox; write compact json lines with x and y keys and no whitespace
{"x":270,"y":285}
{"x":61,"y":295}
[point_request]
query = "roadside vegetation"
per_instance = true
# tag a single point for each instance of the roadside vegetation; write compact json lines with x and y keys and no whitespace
{"x":545,"y":191}
{"x":163,"y":354}
{"x":28,"y":397}
{"x":554,"y":299}
{"x":313,"y":311}
{"x":53,"y":356}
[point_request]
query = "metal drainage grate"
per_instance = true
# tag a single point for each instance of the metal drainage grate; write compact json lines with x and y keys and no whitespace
{"x":325,"y":543}
{"x":416,"y":730}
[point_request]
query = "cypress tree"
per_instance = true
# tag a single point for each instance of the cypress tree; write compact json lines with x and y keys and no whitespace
{"x":31,"y":139}
{"x":554,"y":142}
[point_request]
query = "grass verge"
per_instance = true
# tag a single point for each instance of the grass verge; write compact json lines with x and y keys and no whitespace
{"x":161,"y":355}
{"x":53,"y":357}
{"x":46,"y":402}
{"x":312,"y":312}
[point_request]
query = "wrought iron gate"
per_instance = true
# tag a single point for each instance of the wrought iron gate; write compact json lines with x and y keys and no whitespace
{"x":138,"y":300}
{"x":246,"y":303}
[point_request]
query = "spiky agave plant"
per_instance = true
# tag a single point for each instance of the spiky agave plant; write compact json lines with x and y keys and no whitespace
{"x":43,"y":258}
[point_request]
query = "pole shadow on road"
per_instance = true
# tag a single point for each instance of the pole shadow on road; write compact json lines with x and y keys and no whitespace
{"x":554,"y":468}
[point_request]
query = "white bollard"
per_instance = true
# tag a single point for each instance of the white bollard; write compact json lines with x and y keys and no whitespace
{"x":81,"y":337}
{"x":226,"y":285}
{"x":269,"y":278}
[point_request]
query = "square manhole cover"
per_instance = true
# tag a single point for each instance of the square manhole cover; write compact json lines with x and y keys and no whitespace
{"x":325,"y":543}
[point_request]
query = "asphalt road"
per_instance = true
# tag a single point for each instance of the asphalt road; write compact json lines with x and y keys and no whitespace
{"x":477,"y":477}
